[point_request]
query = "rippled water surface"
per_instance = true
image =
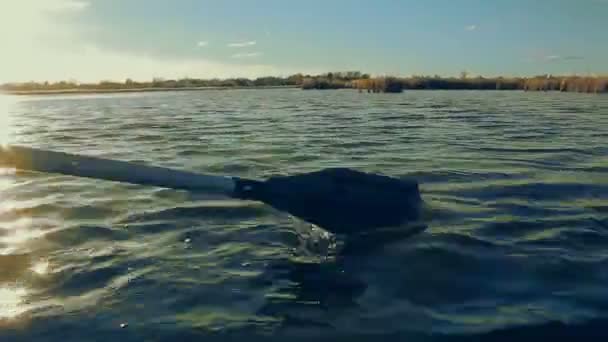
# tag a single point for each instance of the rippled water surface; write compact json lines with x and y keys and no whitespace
{"x":517,"y":231}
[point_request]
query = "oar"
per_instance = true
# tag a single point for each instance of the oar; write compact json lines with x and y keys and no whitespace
{"x":340,"y":200}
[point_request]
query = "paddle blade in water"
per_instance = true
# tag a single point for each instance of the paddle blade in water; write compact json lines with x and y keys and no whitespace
{"x":339,"y":200}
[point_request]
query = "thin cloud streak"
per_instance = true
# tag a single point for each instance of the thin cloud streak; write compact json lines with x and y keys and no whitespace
{"x":242,"y":44}
{"x":69,"y":5}
{"x":563,"y":58}
{"x":247,"y":55}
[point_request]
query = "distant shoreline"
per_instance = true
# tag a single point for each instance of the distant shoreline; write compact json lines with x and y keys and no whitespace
{"x":337,"y":80}
{"x":194,"y":89}
{"x":130,"y":90}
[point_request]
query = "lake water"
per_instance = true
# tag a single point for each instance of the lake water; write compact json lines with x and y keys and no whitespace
{"x":516,"y":186}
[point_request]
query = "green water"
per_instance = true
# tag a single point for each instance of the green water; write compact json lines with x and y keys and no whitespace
{"x":516,"y":185}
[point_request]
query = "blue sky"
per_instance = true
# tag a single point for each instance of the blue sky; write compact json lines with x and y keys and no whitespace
{"x":115,"y":39}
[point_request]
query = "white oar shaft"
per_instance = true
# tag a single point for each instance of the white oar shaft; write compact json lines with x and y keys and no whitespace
{"x":32,"y":159}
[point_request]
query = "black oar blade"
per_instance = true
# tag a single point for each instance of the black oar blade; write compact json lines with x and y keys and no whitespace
{"x":339,"y":200}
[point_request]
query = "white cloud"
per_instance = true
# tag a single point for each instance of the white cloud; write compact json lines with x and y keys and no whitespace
{"x":91,"y":64}
{"x":471,"y":28}
{"x":47,"y":47}
{"x":247,"y":55}
{"x":242,"y":44}
{"x":202,"y":43}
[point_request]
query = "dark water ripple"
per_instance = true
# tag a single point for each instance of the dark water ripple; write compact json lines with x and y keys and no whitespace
{"x":515,"y":244}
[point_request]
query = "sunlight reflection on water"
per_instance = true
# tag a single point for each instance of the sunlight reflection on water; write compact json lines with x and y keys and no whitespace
{"x":7,"y":103}
{"x":12,"y":301}
{"x":15,"y":234}
{"x":41,"y":267}
{"x":21,"y":231}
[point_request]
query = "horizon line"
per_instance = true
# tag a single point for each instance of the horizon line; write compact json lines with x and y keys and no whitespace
{"x":324,"y":74}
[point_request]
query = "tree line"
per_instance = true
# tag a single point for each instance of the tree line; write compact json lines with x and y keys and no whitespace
{"x":391,"y":84}
{"x":337,"y":80}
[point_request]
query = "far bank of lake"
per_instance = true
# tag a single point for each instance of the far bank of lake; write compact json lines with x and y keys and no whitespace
{"x":337,"y":80}
{"x":126,"y":90}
